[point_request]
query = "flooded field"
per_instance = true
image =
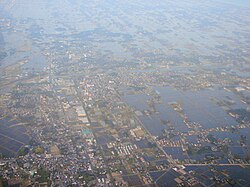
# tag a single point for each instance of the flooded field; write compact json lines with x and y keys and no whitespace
{"x":199,"y":106}
{"x":12,"y":136}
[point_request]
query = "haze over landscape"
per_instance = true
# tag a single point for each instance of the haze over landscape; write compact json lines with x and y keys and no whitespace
{"x":124,"y":93}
